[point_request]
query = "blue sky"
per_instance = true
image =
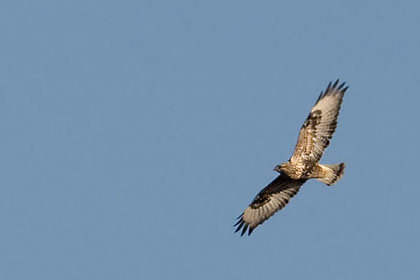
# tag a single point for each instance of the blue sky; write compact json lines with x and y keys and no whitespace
{"x":135,"y":132}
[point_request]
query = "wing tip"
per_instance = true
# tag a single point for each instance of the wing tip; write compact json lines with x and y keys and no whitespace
{"x":338,"y":86}
{"x":333,"y":88}
{"x":241,"y":224}
{"x":345,"y":89}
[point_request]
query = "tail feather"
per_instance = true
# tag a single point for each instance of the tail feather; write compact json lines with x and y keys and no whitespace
{"x":332,"y":173}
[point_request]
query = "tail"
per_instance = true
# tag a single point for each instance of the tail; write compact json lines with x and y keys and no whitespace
{"x":332,"y":173}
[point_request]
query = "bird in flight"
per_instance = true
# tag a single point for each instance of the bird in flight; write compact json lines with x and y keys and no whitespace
{"x":314,"y":136}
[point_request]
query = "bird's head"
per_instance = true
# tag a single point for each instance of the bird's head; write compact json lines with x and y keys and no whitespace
{"x":279,"y":168}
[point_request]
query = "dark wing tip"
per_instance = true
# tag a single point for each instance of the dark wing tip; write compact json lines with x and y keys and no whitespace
{"x":334,"y":88}
{"x":319,"y":97}
{"x":237,"y":223}
{"x":329,"y":86}
{"x":244,"y":229}
{"x":330,"y":89}
{"x":344,"y":89}
{"x":241,"y":224}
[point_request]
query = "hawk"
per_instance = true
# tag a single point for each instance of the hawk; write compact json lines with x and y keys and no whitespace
{"x":314,"y":136}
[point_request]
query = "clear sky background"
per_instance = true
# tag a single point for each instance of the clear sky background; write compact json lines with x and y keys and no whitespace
{"x":133,"y":133}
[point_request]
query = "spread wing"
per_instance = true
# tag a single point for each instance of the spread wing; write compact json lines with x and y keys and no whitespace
{"x":318,"y":128}
{"x":267,"y":202}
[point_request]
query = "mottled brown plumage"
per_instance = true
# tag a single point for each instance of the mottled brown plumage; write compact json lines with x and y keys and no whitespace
{"x":314,"y":136}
